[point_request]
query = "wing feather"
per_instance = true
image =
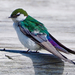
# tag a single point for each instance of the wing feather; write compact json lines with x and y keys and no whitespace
{"x":62,"y":46}
{"x":32,"y":24}
{"x":44,"y":43}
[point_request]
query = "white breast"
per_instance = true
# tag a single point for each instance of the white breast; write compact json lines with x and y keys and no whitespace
{"x":27,"y":42}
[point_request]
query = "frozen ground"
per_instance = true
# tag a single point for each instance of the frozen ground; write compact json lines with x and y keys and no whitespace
{"x":57,"y":15}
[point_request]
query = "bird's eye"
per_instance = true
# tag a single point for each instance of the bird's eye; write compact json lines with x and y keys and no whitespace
{"x":18,"y":14}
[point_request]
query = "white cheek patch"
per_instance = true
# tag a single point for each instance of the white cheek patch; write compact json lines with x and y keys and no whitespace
{"x":18,"y":13}
{"x":21,"y":17}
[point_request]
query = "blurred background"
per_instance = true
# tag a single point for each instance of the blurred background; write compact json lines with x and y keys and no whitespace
{"x":57,"y":15}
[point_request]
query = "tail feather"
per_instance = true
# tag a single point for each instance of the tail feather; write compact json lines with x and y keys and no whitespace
{"x":49,"y":47}
{"x":70,"y":61}
{"x":58,"y":45}
{"x":73,"y":62}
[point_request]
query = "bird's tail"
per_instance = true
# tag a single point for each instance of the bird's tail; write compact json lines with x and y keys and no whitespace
{"x":49,"y":47}
{"x":70,"y":61}
{"x":58,"y":45}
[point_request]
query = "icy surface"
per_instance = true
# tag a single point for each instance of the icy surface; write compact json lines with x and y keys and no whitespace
{"x":59,"y":18}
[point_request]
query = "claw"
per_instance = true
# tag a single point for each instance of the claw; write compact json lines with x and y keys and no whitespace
{"x":36,"y":51}
{"x":4,"y":49}
{"x":28,"y":50}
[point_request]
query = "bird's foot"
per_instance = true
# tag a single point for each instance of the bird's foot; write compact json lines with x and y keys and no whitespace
{"x":32,"y":51}
{"x":4,"y":49}
{"x":35,"y":51}
{"x":27,"y":50}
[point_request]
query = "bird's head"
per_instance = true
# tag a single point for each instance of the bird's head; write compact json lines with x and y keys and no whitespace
{"x":18,"y":15}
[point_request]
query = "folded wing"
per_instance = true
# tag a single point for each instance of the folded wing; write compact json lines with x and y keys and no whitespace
{"x":41,"y":40}
{"x":58,"y":45}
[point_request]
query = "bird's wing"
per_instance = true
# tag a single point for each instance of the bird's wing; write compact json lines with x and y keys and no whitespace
{"x":32,"y":25}
{"x":58,"y":45}
{"x":43,"y":42}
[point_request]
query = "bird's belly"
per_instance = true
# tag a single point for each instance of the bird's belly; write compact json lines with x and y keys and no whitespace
{"x":27,"y":42}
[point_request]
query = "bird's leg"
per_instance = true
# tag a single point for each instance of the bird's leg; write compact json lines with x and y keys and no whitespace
{"x":28,"y":50}
{"x":31,"y":51}
{"x":36,"y":51}
{"x":4,"y":49}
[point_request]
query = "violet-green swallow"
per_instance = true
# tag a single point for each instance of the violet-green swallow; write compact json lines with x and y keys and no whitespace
{"x":34,"y":35}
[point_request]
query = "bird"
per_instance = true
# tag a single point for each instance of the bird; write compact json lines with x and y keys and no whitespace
{"x":35,"y":36}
